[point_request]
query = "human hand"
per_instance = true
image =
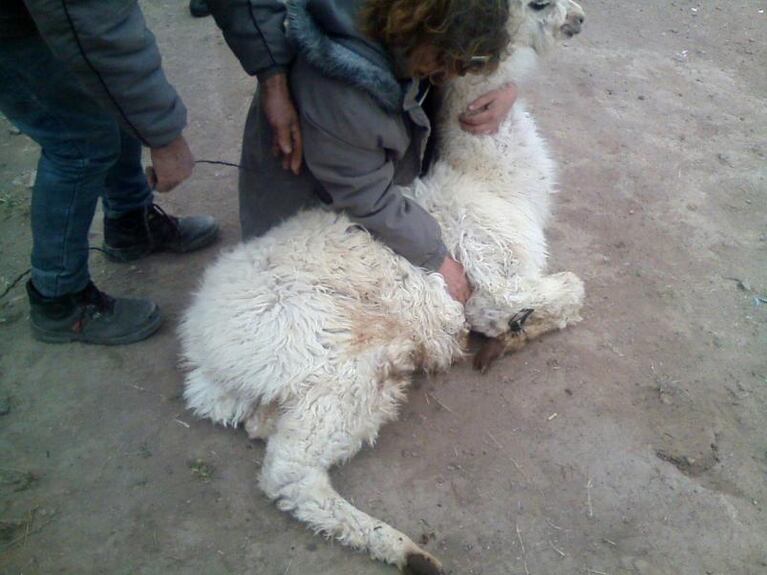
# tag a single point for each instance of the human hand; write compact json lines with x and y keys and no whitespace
{"x":171,"y":165}
{"x":457,"y":283}
{"x":485,"y":114}
{"x":283,"y":118}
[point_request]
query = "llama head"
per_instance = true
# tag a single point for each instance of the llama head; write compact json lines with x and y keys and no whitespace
{"x":537,"y":24}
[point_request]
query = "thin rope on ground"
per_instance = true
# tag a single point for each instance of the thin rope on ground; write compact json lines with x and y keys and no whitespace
{"x":230,"y":164}
{"x":14,"y":283}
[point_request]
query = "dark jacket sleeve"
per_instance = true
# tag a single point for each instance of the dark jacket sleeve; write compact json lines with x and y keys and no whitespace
{"x":255,"y":31}
{"x":359,"y":181}
{"x":349,"y":146}
{"x":110,"y":49}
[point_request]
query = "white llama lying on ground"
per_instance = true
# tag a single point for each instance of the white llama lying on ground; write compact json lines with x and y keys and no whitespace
{"x":309,"y":334}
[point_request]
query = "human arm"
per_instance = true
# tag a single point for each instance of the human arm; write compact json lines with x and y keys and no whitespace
{"x":455,"y":277}
{"x":359,"y":181}
{"x":171,"y":165}
{"x":282,"y":116}
{"x":486,"y":114}
{"x":113,"y":54}
{"x":255,"y":31}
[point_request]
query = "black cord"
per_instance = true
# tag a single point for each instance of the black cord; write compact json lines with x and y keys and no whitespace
{"x":14,"y":283}
{"x":230,"y":164}
{"x":22,"y":275}
{"x":219,"y":163}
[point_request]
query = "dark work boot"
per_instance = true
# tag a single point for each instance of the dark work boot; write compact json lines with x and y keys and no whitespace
{"x":199,"y":8}
{"x":91,"y":316}
{"x":142,"y":232}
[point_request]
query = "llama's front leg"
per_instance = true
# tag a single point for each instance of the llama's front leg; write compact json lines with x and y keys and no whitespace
{"x":309,"y":438}
{"x":494,"y":347}
{"x":555,"y":301}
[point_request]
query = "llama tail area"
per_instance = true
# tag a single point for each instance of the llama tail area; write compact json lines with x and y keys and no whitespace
{"x":304,"y":445}
{"x":306,"y":493}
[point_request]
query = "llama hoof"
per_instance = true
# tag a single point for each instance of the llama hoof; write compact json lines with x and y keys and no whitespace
{"x":422,"y":564}
{"x":492,"y":348}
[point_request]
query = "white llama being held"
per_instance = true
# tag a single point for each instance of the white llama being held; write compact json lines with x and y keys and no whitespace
{"x":308,"y":335}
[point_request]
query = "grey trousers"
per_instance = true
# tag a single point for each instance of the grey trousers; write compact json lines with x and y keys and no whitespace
{"x":269,"y":194}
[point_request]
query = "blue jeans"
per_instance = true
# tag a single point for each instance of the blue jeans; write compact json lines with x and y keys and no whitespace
{"x":85,"y":155}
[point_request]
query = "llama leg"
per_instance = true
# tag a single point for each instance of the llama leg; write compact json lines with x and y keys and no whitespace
{"x":495,"y":347}
{"x":556,"y":301}
{"x":209,"y":399}
{"x":311,"y":437}
{"x":262,"y":422}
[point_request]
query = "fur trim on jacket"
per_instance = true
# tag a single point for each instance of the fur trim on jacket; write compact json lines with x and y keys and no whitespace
{"x":325,"y":33}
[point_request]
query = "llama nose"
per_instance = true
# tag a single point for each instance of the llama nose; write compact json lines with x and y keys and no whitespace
{"x":573,"y":23}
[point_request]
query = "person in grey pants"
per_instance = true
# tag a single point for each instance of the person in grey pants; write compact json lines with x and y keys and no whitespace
{"x":338,"y":118}
{"x":83,"y":79}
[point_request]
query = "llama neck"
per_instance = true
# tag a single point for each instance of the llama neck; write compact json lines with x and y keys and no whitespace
{"x":461,"y":92}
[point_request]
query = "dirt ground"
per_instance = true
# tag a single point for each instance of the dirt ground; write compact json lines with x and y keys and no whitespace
{"x":633,"y":444}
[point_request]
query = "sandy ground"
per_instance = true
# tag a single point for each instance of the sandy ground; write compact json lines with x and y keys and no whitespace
{"x":656,"y":460}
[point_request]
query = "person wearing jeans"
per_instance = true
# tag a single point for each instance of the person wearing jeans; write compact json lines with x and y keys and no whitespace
{"x":85,"y":82}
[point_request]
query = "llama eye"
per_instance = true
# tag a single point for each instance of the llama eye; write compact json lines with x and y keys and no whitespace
{"x":538,"y":6}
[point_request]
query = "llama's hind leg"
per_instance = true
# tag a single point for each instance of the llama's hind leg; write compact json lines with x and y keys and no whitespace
{"x":210,"y":399}
{"x":320,"y":431}
{"x":263,"y":421}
